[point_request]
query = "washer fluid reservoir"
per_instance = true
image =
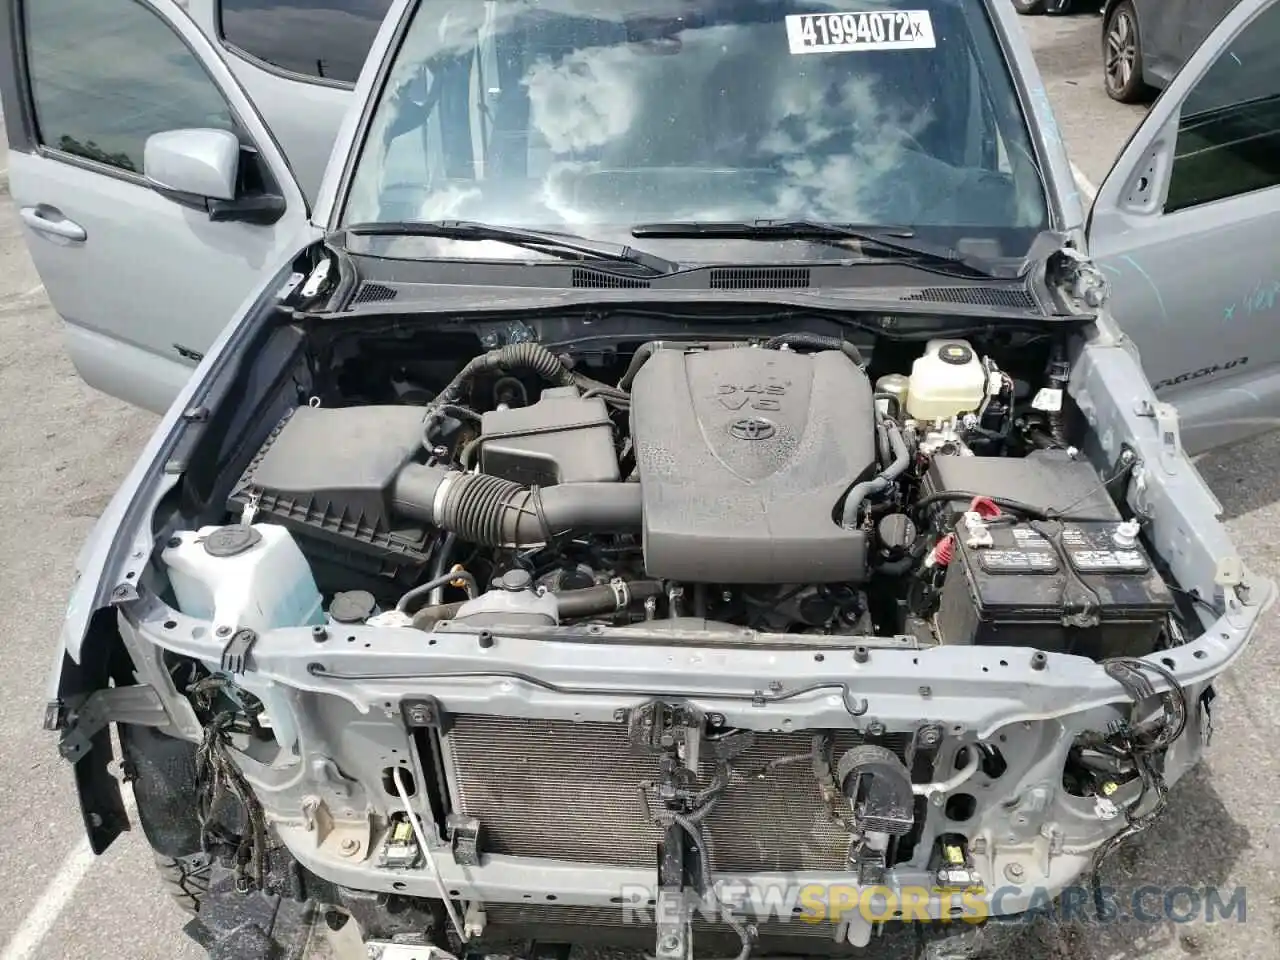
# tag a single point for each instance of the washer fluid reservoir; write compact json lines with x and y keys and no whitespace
{"x":948,"y":380}
{"x":243,"y":577}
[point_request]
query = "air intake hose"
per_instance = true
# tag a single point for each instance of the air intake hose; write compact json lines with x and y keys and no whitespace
{"x":499,"y":513}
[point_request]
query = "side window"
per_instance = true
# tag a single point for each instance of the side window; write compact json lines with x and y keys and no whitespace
{"x":324,"y":39}
{"x":105,"y":76}
{"x":1229,"y":131}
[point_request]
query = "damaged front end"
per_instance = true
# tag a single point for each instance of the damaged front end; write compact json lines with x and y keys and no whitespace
{"x":763,"y":641}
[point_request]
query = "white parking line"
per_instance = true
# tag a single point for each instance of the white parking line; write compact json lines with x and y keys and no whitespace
{"x":41,"y":918}
{"x":1086,"y":185}
{"x":57,"y":894}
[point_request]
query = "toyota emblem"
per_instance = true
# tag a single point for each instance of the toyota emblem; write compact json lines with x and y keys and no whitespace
{"x":752,"y":428}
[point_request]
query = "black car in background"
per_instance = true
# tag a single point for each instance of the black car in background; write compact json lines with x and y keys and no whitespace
{"x":1146,"y":42}
{"x":1029,"y":8}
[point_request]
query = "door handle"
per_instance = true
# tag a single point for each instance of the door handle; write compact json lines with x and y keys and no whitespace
{"x":46,"y":219}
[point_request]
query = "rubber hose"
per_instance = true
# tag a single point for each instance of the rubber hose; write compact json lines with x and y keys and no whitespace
{"x":439,"y":565}
{"x":895,"y":410}
{"x":818,"y":341}
{"x":638,"y":360}
{"x":572,"y":604}
{"x":493,"y":512}
{"x":427,"y":617}
{"x":877,"y":484}
{"x":882,"y":444}
{"x":647,"y":350}
{"x":514,"y":356}
{"x":424,"y":590}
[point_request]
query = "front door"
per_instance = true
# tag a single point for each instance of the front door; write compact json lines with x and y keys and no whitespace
{"x":143,"y":283}
{"x":298,"y":61}
{"x":1186,"y":227}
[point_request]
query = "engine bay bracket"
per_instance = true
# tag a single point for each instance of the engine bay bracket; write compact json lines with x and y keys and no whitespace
{"x":425,"y":713}
{"x":139,"y":705}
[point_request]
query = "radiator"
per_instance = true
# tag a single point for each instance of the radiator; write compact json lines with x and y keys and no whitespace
{"x":571,"y":791}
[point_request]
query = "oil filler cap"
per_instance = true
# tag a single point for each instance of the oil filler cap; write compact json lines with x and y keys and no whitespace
{"x":955,"y":353}
{"x":231,"y":540}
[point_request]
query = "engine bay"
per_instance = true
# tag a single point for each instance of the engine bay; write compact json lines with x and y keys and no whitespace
{"x":781,"y":589}
{"x":784,"y":485}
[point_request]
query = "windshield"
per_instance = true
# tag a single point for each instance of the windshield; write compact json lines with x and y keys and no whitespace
{"x":592,"y":116}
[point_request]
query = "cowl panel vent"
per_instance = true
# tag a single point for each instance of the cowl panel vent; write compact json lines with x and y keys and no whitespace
{"x":598,"y":280}
{"x":982,"y":296}
{"x":759,"y":278}
{"x":371,"y":292}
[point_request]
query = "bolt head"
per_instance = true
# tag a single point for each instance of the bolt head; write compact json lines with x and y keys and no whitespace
{"x":350,"y":845}
{"x":223,"y":631}
{"x":930,"y":735}
{"x":1014,"y":872}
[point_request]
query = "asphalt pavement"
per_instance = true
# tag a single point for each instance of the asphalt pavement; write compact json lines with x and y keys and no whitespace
{"x":64,"y":448}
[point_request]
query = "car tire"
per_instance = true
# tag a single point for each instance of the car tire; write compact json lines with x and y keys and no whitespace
{"x":1122,"y":55}
{"x":1029,"y":8}
{"x":185,"y":879}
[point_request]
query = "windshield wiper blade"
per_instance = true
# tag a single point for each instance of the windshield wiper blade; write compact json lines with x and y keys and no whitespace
{"x":564,"y":245}
{"x":896,"y":240}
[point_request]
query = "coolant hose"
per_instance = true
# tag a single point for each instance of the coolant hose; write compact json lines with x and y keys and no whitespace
{"x":605,"y":598}
{"x":570,"y":604}
{"x":860,"y":492}
{"x":817,"y":341}
{"x":499,"y":513}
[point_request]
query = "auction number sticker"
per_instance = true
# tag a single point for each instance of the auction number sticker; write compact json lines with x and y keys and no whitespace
{"x":868,"y":30}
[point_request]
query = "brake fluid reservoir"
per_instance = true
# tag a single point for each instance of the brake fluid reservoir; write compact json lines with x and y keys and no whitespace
{"x":243,"y":577}
{"x":948,"y":380}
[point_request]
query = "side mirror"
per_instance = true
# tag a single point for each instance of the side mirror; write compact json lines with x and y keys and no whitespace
{"x":200,"y":168}
{"x":199,"y":163}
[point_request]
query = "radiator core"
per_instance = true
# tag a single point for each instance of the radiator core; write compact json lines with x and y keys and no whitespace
{"x":571,"y":791}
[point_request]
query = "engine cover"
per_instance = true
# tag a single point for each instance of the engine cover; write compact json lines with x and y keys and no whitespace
{"x":744,"y":455}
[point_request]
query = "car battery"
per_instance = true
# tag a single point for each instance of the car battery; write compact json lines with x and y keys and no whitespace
{"x":1085,"y":588}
